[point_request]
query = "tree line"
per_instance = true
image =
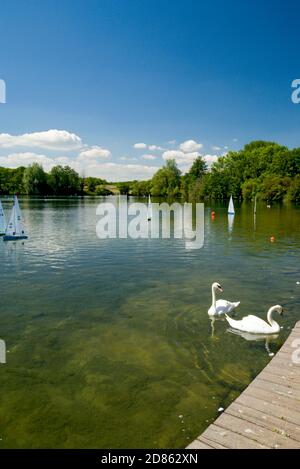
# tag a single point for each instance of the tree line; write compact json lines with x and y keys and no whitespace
{"x":264,"y":169}
{"x":61,"y":180}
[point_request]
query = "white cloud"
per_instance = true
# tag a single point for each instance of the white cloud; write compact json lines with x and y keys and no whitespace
{"x":190,"y":146}
{"x":179,"y":156}
{"x":140,"y":146}
{"x":127,"y":158}
{"x":50,"y":139}
{"x":14,"y":160}
{"x":171,"y":142}
{"x":94,"y":152}
{"x":119,"y":172}
{"x":235,"y":139}
{"x":210,"y":159}
{"x":185,"y":160}
{"x":148,"y":157}
{"x":143,"y":146}
{"x":89,"y":167}
{"x":155,"y":148}
{"x":216,"y":148}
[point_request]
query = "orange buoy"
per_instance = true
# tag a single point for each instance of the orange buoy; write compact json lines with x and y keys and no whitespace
{"x":272,"y":239}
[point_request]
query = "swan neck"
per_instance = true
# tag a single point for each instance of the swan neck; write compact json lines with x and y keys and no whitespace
{"x":270,"y":317}
{"x":213,"y":296}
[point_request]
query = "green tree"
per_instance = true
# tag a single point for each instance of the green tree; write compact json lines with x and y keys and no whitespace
{"x":166,"y":181}
{"x":35,"y":180}
{"x":249,"y":189}
{"x":192,"y":184}
{"x":273,"y":187}
{"x":141,"y":188}
{"x":90,"y":184}
{"x":11,"y":180}
{"x":294,"y":191}
{"x":198,"y":168}
{"x":64,"y":181}
{"x":124,"y":187}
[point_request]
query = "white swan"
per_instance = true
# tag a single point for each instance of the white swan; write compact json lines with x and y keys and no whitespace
{"x":255,"y":325}
{"x":220,"y":306}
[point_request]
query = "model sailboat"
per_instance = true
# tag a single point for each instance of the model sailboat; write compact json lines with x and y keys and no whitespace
{"x":149,"y":212}
{"x":15,"y":228}
{"x":2,"y":220}
{"x":231,"y":206}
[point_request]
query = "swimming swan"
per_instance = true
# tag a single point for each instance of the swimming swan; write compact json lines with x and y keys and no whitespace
{"x":220,"y":306}
{"x":255,"y":325}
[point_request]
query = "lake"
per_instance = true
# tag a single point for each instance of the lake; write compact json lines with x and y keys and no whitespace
{"x":109,"y":344}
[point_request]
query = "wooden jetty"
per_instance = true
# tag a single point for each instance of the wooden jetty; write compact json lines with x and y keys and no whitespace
{"x":267,"y":414}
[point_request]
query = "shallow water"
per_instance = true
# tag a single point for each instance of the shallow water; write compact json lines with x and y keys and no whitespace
{"x":109,"y":342}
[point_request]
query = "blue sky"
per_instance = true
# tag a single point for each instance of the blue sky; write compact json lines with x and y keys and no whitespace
{"x":107,"y":74}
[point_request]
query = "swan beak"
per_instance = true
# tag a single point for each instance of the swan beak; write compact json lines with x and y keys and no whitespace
{"x":221,"y":289}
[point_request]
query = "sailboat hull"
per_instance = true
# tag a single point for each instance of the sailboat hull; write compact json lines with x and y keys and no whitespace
{"x":13,"y":238}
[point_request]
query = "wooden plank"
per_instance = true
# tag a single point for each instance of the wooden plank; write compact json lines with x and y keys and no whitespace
{"x":255,"y":432}
{"x":275,"y":399}
{"x":197,"y":444}
{"x":281,"y":412}
{"x":277,"y":389}
{"x":267,"y":413}
{"x":230,"y":439}
{"x":289,"y":374}
{"x":275,"y":424}
{"x":284,"y":364}
{"x":279,"y":379}
{"x":213,"y":444}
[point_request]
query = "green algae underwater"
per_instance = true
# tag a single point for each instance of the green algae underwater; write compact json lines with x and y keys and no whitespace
{"x":109,"y":344}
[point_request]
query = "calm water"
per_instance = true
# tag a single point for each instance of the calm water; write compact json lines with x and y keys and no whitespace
{"x":109,"y":341}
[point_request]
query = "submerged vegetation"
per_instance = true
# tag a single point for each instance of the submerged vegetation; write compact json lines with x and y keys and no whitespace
{"x":264,"y":169}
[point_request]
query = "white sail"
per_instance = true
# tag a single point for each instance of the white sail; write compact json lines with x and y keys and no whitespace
{"x":231,"y":206}
{"x":11,"y":227}
{"x":2,"y":220}
{"x":15,"y":227}
{"x":149,"y":213}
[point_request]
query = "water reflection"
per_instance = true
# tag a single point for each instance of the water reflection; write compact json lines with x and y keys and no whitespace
{"x":230,"y":222}
{"x":267,"y":338}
